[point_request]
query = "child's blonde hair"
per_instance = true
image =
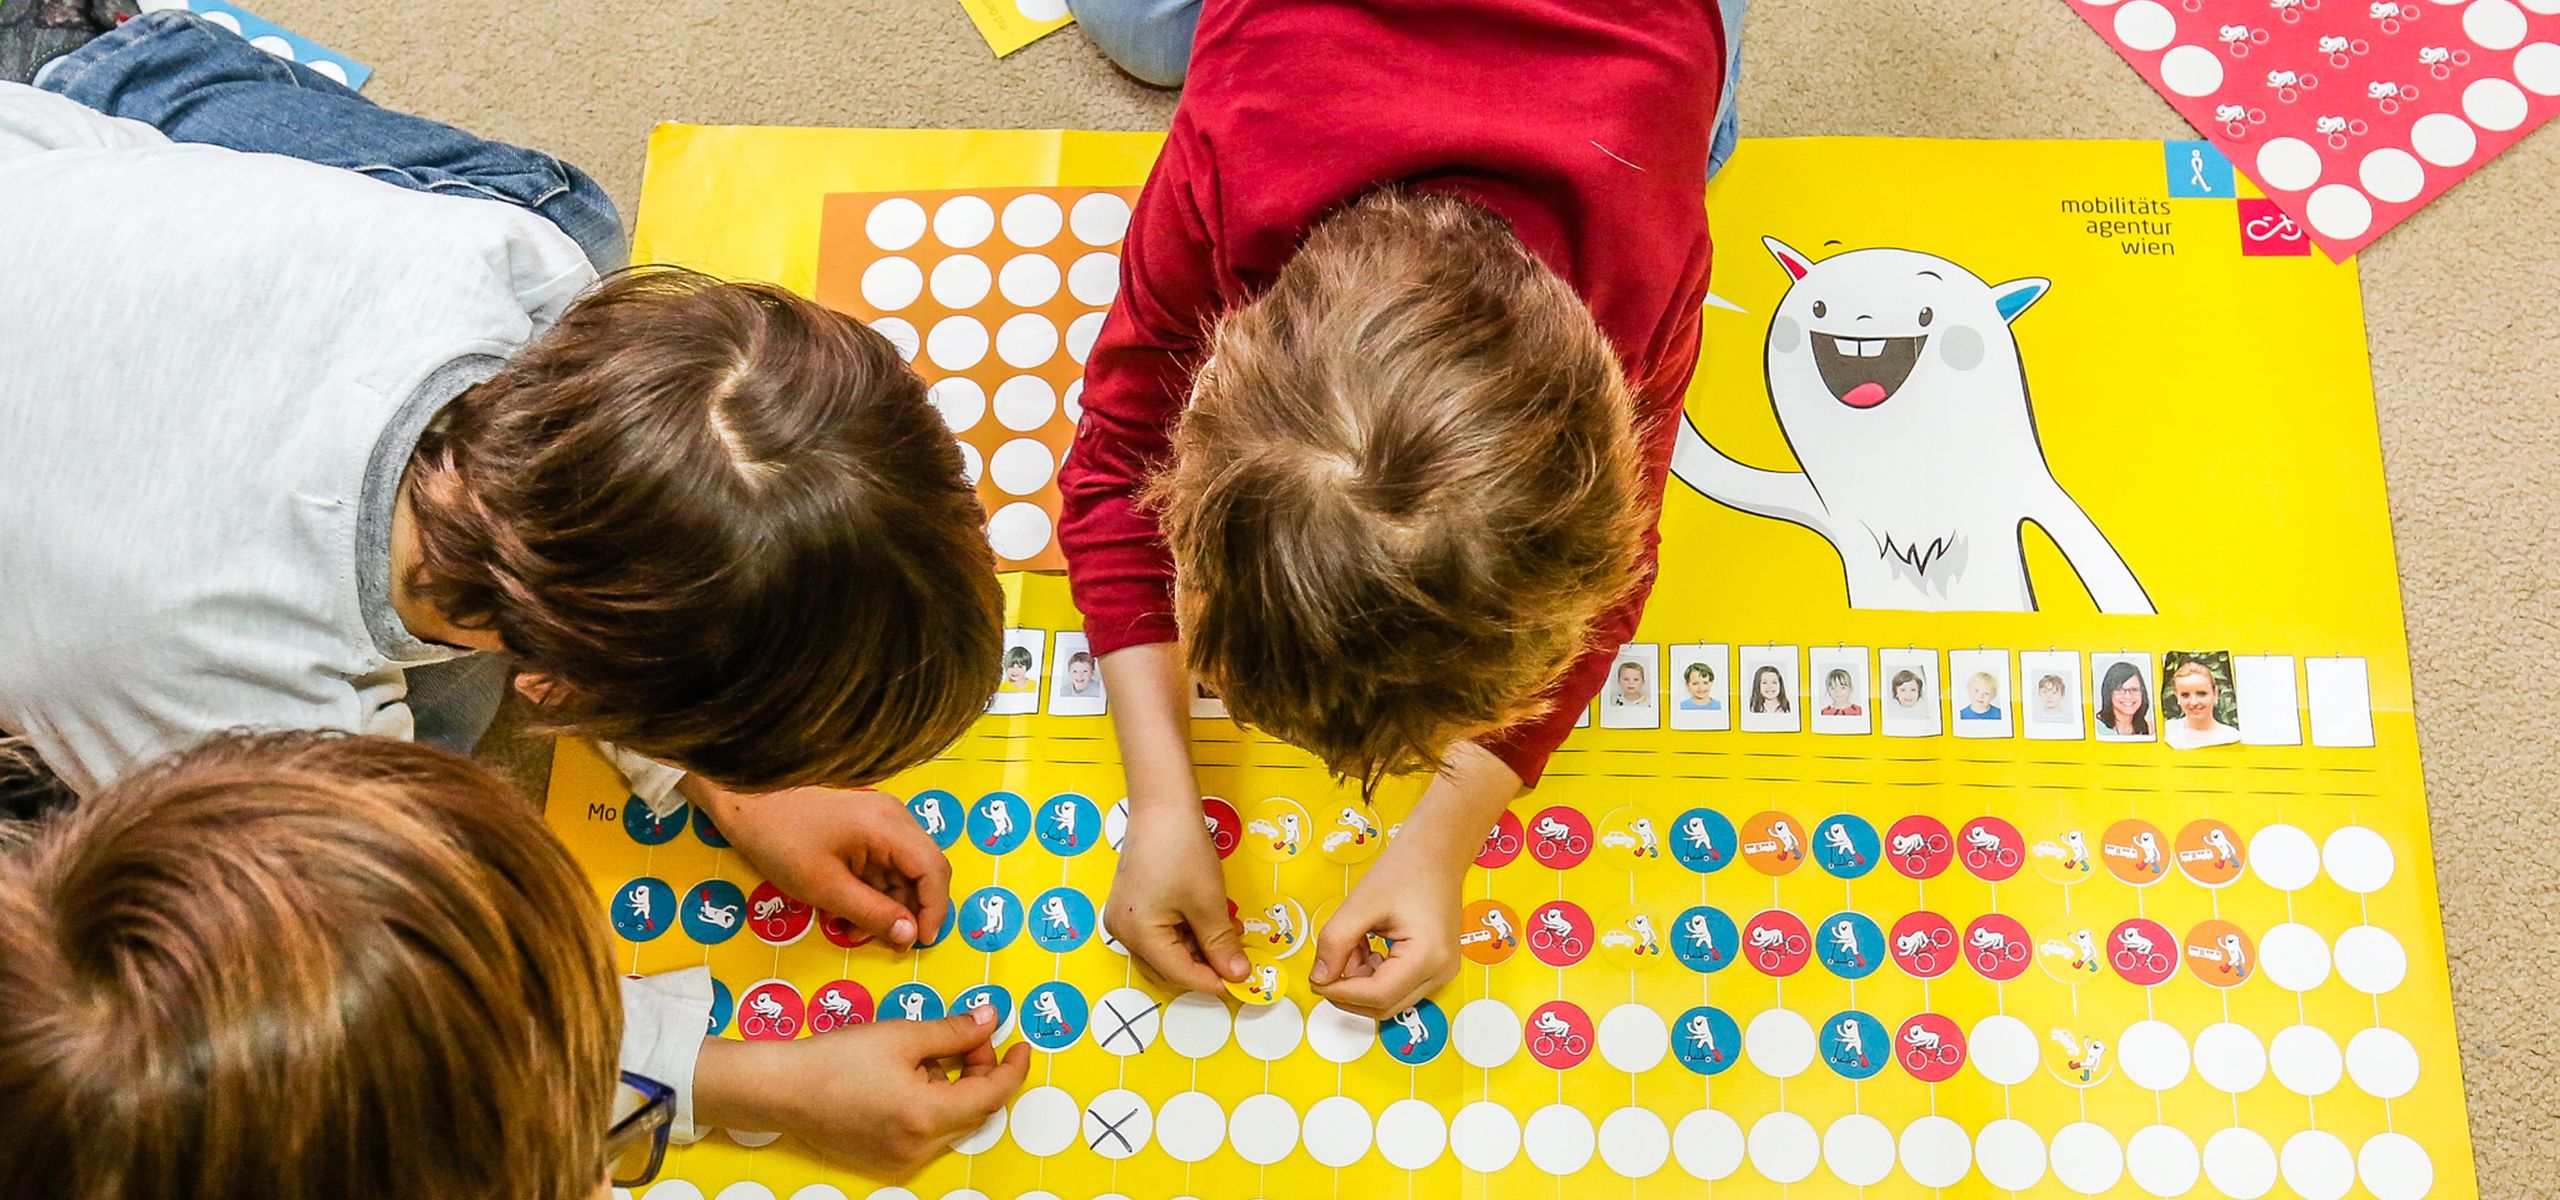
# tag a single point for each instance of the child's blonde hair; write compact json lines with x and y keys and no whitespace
{"x":1407,"y":483}
{"x":297,"y":967}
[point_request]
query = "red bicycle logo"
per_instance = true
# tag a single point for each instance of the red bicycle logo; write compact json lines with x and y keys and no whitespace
{"x":2391,"y":15}
{"x":2277,"y":228}
{"x":2440,"y":62}
{"x":2291,"y":10}
{"x":2238,"y":38}
{"x":2237,"y":118}
{"x":2290,"y":85}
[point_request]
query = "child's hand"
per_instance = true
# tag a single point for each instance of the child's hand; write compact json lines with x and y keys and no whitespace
{"x":858,"y":855}
{"x":1169,"y":903}
{"x":1411,"y":897}
{"x":881,"y":1096}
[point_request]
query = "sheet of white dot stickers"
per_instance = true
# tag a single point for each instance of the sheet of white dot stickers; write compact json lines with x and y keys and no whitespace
{"x":2013,"y":788}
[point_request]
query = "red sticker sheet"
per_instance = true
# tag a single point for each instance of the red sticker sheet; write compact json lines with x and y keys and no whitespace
{"x":2350,"y":114}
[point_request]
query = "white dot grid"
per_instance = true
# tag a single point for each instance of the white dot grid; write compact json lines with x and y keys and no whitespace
{"x":992,"y":288}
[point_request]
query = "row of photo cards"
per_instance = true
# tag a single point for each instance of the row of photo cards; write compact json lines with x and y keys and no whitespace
{"x":2188,"y":699}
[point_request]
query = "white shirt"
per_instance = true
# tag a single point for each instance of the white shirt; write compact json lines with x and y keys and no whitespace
{"x":2182,"y":736}
{"x":204,"y":358}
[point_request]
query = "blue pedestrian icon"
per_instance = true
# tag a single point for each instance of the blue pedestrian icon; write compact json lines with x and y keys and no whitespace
{"x":713,"y":911}
{"x":643,"y":909}
{"x":1417,"y":1035}
{"x":986,"y":995}
{"x":939,"y":813}
{"x":911,"y":1002}
{"x":1054,"y":1016}
{"x":1702,"y":840}
{"x":990,"y":919}
{"x":648,"y":828}
{"x":1068,"y":824}
{"x":1704,"y":939}
{"x":999,"y":823}
{"x":723,"y":1007}
{"x":1850,"y":944}
{"x":1846,"y":845}
{"x":1853,"y":1044}
{"x":1706,"y":1041}
{"x":1061,"y":919}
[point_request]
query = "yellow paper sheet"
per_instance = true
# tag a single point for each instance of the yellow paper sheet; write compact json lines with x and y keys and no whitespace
{"x":2208,"y":415}
{"x":1009,"y":25}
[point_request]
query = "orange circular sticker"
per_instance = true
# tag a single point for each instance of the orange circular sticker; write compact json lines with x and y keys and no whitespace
{"x":2209,"y":852}
{"x":1773,"y":843}
{"x":2135,"y":851}
{"x":2221,"y":954}
{"x":1489,"y":933}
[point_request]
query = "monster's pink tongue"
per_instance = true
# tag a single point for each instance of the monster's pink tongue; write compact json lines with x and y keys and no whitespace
{"x":1865,"y":395}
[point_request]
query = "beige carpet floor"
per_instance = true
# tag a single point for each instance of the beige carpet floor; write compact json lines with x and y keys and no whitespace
{"x":2461,"y":301}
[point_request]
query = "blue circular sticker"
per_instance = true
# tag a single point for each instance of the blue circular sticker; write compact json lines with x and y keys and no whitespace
{"x":1069,"y":825}
{"x":1704,"y":940}
{"x":648,"y":828}
{"x":1061,"y":919}
{"x":1054,"y":1016}
{"x":713,"y":911}
{"x":1846,"y":845}
{"x":1853,"y":1044}
{"x":990,"y":919}
{"x":942,"y":932}
{"x":1850,"y":944}
{"x":1706,"y":1041}
{"x":990,"y":996}
{"x":911,"y":1002}
{"x":705,"y":830}
{"x":643,"y":909}
{"x":939,"y":813}
{"x":999,"y":823}
{"x":723,"y":1007}
{"x":1417,"y":1035}
{"x":1702,"y":840}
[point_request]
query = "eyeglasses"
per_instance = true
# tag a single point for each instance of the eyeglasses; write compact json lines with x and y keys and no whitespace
{"x":636,"y":1144}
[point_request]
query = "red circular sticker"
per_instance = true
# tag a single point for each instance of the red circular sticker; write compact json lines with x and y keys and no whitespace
{"x":1560,"y":837}
{"x":842,"y":932}
{"x":1775,"y":942}
{"x":1501,"y":843}
{"x":1991,"y":848}
{"x":1558,"y":1034}
{"x":1929,"y":1046}
{"x":1997,"y":946}
{"x":1226,"y":828}
{"x":777,"y":918}
{"x":771,"y":1011}
{"x":1923,"y":944}
{"x":1559,"y":933}
{"x":839,"y":1005}
{"x":2143,"y":951}
{"x":1919,"y":846}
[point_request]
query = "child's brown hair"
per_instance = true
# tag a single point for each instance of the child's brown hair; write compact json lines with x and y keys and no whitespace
{"x":729,"y":523}
{"x":302,"y":967}
{"x":1407,"y":482}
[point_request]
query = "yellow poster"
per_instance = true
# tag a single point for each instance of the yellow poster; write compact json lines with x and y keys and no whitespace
{"x":2012,"y":790}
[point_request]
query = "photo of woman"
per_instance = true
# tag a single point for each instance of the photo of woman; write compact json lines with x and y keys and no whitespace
{"x":1839,"y":689}
{"x":2203,"y":701}
{"x":1769,"y":692}
{"x":1698,"y":683}
{"x":2123,"y":703}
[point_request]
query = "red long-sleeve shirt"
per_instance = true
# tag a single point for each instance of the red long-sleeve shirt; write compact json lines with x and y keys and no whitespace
{"x":1583,"y":125}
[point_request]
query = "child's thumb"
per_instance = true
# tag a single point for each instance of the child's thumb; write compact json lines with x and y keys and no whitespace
{"x":1220,"y":947}
{"x":955,"y":1035}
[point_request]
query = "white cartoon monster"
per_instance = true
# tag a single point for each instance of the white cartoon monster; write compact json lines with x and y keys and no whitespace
{"x":1898,"y":386}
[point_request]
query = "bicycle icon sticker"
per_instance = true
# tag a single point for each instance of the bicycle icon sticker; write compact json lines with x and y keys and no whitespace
{"x":1559,"y":837}
{"x":1991,"y":848}
{"x":2143,"y":951}
{"x":1501,"y":843}
{"x":1930,"y":1047}
{"x":1776,"y":943}
{"x":1996,"y":947}
{"x":1225,"y":824}
{"x":1924,"y":944}
{"x":1918,"y":846}
{"x":1560,"y":933}
{"x":777,"y":919}
{"x":1559,"y":1034}
{"x":771,"y":1011}
{"x":839,"y":1005}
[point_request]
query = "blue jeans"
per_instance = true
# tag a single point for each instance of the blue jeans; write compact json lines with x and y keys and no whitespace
{"x":1151,"y":40}
{"x":199,"y":82}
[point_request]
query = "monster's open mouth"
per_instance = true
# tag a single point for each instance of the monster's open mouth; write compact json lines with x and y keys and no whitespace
{"x":1865,"y":372}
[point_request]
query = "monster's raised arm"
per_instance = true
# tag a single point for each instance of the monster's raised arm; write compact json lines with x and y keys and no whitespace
{"x":2111,"y":583}
{"x":1784,"y":495}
